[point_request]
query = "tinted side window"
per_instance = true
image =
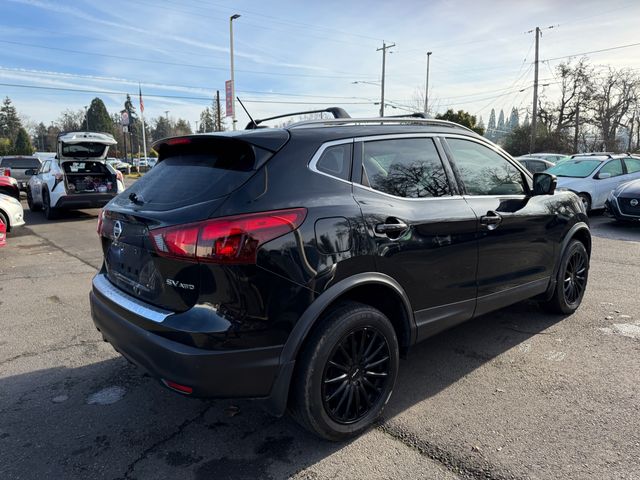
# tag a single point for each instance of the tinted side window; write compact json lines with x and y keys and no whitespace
{"x":614,"y":167}
{"x":536,"y":166}
{"x":336,"y":161}
{"x":633,"y":165}
{"x":483,"y":171}
{"x":17,"y":162}
{"x":408,"y":168}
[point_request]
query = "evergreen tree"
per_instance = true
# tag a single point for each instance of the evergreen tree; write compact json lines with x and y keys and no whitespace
{"x":206,"y":121}
{"x":162,"y":129}
{"x":491,"y":126}
{"x":9,"y":122}
{"x":98,"y":118}
{"x":514,"y":119}
{"x":40,"y":138}
{"x":22,"y":144}
{"x":526,"y":120}
{"x":481,"y":123}
{"x":500,"y":126}
{"x":462,"y":118}
{"x":182,"y":127}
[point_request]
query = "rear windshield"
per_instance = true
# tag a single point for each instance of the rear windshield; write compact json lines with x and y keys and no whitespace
{"x":574,"y":168}
{"x":84,"y":149}
{"x":191,"y":174}
{"x":20,"y":162}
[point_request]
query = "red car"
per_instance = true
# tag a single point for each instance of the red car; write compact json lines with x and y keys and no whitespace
{"x":9,"y":186}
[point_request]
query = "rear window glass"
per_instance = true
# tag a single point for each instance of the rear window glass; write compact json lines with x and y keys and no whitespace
{"x":84,"y":149}
{"x":191,"y":174}
{"x":84,"y":167}
{"x":17,"y":162}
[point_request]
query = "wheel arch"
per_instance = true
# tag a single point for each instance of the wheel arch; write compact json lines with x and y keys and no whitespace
{"x":375,"y":289}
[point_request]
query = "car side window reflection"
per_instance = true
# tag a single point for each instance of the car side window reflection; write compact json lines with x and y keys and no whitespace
{"x":632,"y":164}
{"x":614,"y":167}
{"x":407,"y":167}
{"x":483,"y":171}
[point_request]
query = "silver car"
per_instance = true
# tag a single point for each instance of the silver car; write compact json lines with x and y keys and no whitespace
{"x":593,"y":177}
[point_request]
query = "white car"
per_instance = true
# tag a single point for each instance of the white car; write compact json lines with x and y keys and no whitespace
{"x":11,"y":213}
{"x":593,"y":177}
{"x":79,"y":176}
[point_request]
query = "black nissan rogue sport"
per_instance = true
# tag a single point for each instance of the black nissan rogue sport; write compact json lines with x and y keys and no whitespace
{"x":297,"y":264}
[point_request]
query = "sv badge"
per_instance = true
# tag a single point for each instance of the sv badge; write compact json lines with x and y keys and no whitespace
{"x":177,"y":284}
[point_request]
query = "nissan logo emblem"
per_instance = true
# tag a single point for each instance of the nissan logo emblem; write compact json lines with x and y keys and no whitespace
{"x":117,"y":229}
{"x":633,"y":202}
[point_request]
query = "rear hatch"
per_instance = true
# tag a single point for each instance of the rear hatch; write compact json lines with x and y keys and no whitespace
{"x":193,"y":177}
{"x":88,"y":176}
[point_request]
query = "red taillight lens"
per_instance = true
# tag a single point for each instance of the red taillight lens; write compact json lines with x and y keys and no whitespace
{"x":7,"y":172}
{"x":119,"y":176}
{"x":231,"y":240}
{"x":178,"y":141}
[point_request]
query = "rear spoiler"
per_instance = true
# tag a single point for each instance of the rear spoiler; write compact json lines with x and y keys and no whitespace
{"x":337,"y":112}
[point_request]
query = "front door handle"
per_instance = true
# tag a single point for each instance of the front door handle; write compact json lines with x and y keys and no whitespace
{"x":391,"y":228}
{"x":491,"y":220}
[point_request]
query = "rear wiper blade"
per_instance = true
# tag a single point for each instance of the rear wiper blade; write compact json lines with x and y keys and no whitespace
{"x":135,"y":199}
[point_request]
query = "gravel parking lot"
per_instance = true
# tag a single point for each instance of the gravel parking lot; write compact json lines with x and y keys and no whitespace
{"x":513,"y":394}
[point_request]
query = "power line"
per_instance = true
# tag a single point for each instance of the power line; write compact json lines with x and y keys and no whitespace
{"x":592,"y":51}
{"x":175,"y":97}
{"x":179,"y":64}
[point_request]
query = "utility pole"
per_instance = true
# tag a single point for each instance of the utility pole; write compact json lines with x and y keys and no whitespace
{"x":426,"y":90}
{"x":630,"y":149}
{"x":534,"y":119}
{"x":218,"y":113}
{"x":86,"y":116}
{"x":577,"y":130}
{"x":233,"y":83}
{"x":384,"y":49}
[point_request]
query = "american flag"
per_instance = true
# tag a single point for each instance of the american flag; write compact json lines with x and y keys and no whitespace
{"x":141,"y":102}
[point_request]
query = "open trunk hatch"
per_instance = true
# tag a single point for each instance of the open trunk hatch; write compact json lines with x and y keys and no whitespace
{"x":88,"y":177}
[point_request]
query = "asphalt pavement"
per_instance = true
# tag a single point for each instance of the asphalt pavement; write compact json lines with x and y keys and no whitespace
{"x":514,"y":394}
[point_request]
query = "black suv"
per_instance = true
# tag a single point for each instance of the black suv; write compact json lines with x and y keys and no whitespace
{"x":297,"y":264}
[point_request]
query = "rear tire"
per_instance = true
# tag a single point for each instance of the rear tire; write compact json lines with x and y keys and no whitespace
{"x":346,"y":372}
{"x":571,"y":281}
{"x":585,"y":198}
{"x":49,"y":212}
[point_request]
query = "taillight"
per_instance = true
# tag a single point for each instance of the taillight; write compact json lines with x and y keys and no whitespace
{"x":7,"y":172}
{"x":119,"y":176}
{"x":230,"y":240}
{"x":59,"y":177}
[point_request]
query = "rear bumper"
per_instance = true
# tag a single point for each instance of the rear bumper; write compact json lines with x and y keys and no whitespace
{"x":210,"y":373}
{"x":84,"y":200}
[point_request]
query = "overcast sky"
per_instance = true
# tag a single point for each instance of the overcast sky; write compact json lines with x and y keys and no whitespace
{"x":294,"y":55}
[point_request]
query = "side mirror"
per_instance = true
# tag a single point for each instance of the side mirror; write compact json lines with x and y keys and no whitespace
{"x":544,"y":183}
{"x":603,"y":175}
{"x":30,"y":171}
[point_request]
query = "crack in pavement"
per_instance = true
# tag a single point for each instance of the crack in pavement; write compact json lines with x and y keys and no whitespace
{"x":51,"y":244}
{"x":145,"y":453}
{"x":462,"y":467}
{"x":55,"y":348}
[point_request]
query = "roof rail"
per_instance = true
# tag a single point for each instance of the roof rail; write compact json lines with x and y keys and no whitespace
{"x":337,"y":112}
{"x":593,"y":154}
{"x":405,"y":119}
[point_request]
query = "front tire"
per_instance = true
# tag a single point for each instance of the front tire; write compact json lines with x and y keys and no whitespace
{"x":32,"y":205}
{"x":346,"y":372}
{"x":571,"y":281}
{"x":585,"y":198}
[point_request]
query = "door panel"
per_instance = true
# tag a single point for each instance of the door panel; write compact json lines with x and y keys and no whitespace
{"x":603,"y":186}
{"x":516,"y":232}
{"x":421,"y":235}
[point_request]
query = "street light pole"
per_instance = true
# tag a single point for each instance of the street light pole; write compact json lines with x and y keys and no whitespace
{"x":426,"y":91}
{"x":233,"y":83}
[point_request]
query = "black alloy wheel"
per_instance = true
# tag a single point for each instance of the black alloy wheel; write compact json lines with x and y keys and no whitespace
{"x":346,"y":372}
{"x":571,"y":280}
{"x":355,"y":375}
{"x":575,"y":277}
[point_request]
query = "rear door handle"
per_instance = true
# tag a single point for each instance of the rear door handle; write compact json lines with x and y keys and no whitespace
{"x":387,"y":228}
{"x":491,"y":220}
